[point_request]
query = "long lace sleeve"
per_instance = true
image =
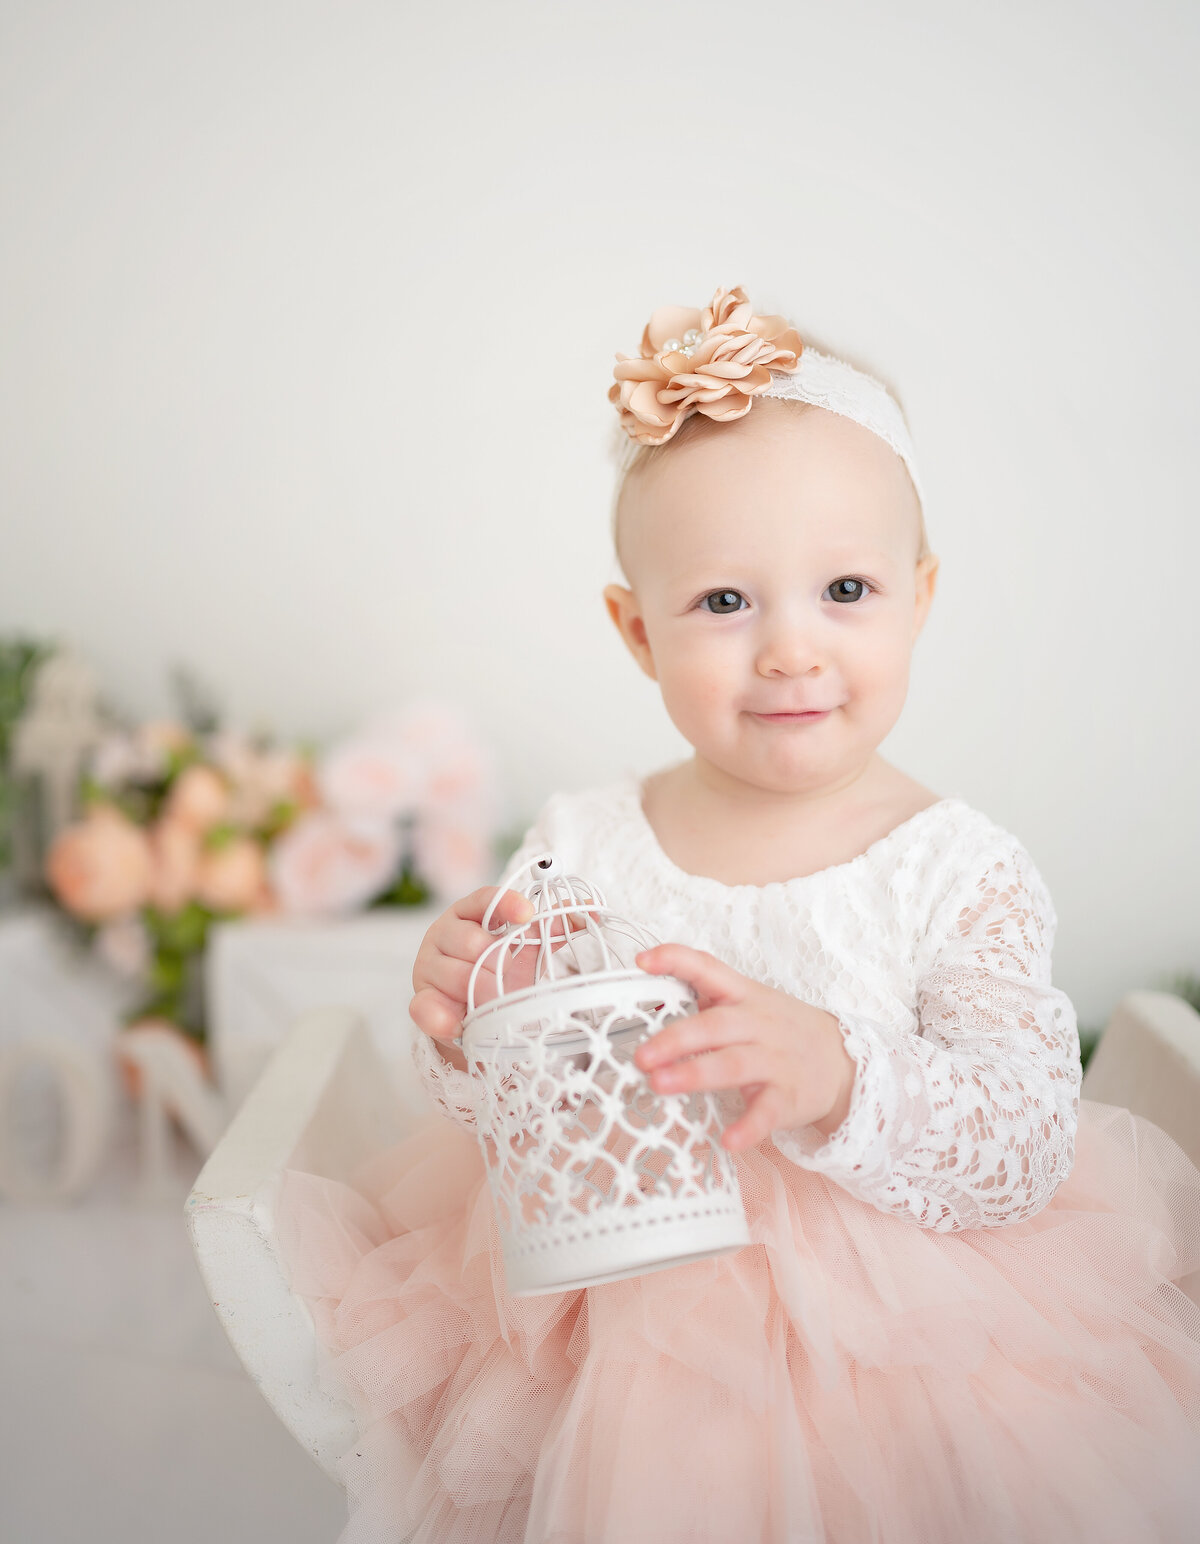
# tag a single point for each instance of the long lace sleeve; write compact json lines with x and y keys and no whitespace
{"x":452,"y":1089}
{"x":970,"y":1122}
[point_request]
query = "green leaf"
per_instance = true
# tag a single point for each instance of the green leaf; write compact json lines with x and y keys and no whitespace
{"x":408,"y":890}
{"x":183,"y":932}
{"x":167,"y":973}
{"x":219,"y":836}
{"x":283,"y":812}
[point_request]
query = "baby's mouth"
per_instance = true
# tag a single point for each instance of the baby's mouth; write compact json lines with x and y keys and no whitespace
{"x":799,"y":716}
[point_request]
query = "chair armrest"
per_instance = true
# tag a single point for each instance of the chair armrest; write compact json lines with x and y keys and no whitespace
{"x":324,"y":1103}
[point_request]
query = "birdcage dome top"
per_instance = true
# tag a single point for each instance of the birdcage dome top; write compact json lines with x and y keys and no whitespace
{"x":571,"y":963}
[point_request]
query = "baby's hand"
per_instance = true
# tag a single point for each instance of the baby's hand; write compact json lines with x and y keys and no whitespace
{"x":786,"y":1056}
{"x":448,"y":954}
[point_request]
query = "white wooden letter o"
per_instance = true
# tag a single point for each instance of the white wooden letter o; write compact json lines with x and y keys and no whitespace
{"x":84,"y":1087}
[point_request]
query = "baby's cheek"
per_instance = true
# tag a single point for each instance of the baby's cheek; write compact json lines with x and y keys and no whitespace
{"x":698,"y":679}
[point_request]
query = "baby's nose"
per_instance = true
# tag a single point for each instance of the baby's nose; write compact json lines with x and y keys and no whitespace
{"x":788,"y":651}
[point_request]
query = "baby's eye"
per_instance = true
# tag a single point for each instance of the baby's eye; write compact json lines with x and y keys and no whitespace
{"x":723,"y":602}
{"x":848,"y":589}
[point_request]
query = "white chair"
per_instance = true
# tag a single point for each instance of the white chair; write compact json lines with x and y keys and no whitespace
{"x":326,"y":1101}
{"x":1148,"y":1060}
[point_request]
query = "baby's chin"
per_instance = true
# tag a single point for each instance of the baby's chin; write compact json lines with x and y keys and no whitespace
{"x":781,"y":758}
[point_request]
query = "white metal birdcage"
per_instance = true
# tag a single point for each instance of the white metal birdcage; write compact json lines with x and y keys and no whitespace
{"x":594,"y":1175}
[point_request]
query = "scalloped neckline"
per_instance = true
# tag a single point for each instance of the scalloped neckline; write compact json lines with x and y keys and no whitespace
{"x":632,"y":792}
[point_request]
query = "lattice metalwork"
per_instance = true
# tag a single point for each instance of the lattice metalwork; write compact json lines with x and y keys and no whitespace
{"x":594,"y":1175}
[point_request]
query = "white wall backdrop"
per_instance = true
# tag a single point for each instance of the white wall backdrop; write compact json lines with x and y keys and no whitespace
{"x":309,"y":312}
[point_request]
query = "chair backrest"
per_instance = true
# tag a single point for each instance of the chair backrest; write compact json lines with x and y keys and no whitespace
{"x":325,"y":1102}
{"x":1148,"y":1060}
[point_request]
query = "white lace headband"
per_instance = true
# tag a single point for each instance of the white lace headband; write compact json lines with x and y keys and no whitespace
{"x":832,"y":383}
{"x":716,"y":361}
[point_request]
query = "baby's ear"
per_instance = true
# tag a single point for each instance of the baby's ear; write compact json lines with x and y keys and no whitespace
{"x":927,"y":570}
{"x":626,"y":613}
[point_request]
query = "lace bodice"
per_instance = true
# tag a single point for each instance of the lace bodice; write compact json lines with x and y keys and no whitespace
{"x":932,"y":949}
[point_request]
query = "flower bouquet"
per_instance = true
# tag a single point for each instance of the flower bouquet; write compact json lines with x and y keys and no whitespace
{"x":181,"y":827}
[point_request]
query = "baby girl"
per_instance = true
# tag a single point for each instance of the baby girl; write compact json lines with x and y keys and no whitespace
{"x":959,"y":1317}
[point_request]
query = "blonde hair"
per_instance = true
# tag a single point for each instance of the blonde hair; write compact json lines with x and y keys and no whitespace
{"x":633,"y":459}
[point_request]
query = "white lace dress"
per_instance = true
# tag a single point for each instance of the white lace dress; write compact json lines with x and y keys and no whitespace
{"x":933,"y":950}
{"x":959,"y":1318}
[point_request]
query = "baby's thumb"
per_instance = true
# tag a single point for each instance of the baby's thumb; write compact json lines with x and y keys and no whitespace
{"x":513,"y":908}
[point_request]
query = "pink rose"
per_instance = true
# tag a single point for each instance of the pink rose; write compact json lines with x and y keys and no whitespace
{"x":375,"y":774}
{"x":406,"y":759}
{"x":327,"y":863}
{"x":233,"y":877}
{"x":199,"y":798}
{"x":453,"y":856}
{"x":100,"y":867}
{"x":138,"y":756}
{"x":176,"y":852}
{"x":116,"y":760}
{"x":462,"y":784}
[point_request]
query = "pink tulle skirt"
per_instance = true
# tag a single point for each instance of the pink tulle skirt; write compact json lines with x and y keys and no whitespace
{"x":849,"y":1377}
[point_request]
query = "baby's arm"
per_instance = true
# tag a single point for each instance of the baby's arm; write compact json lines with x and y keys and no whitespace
{"x":971,"y":1123}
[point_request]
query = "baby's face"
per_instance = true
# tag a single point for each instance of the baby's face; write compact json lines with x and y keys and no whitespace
{"x":772,"y":567}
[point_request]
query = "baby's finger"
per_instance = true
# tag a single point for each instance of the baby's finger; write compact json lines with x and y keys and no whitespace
{"x":511,"y":907}
{"x":704,"y":1031}
{"x":710,"y":979}
{"x":436,"y":1014}
{"x":729,"y":1067}
{"x":451,"y":977}
{"x":762,"y":1115}
{"x":462,"y":940}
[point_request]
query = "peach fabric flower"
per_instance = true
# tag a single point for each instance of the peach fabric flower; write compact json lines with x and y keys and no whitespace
{"x":198,"y":799}
{"x":100,"y":868}
{"x":233,"y":877}
{"x":714,"y":362}
{"x":326,"y":863}
{"x":176,"y":852}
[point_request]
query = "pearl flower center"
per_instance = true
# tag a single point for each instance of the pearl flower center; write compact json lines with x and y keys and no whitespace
{"x":685,"y":345}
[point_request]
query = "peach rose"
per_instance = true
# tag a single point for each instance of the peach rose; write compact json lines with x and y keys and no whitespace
{"x":260,"y":779}
{"x":162,"y":735}
{"x":327,"y":863}
{"x":713,"y":362}
{"x":176,"y":850}
{"x":233,"y":877}
{"x":199,"y":798}
{"x":100,"y":867}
